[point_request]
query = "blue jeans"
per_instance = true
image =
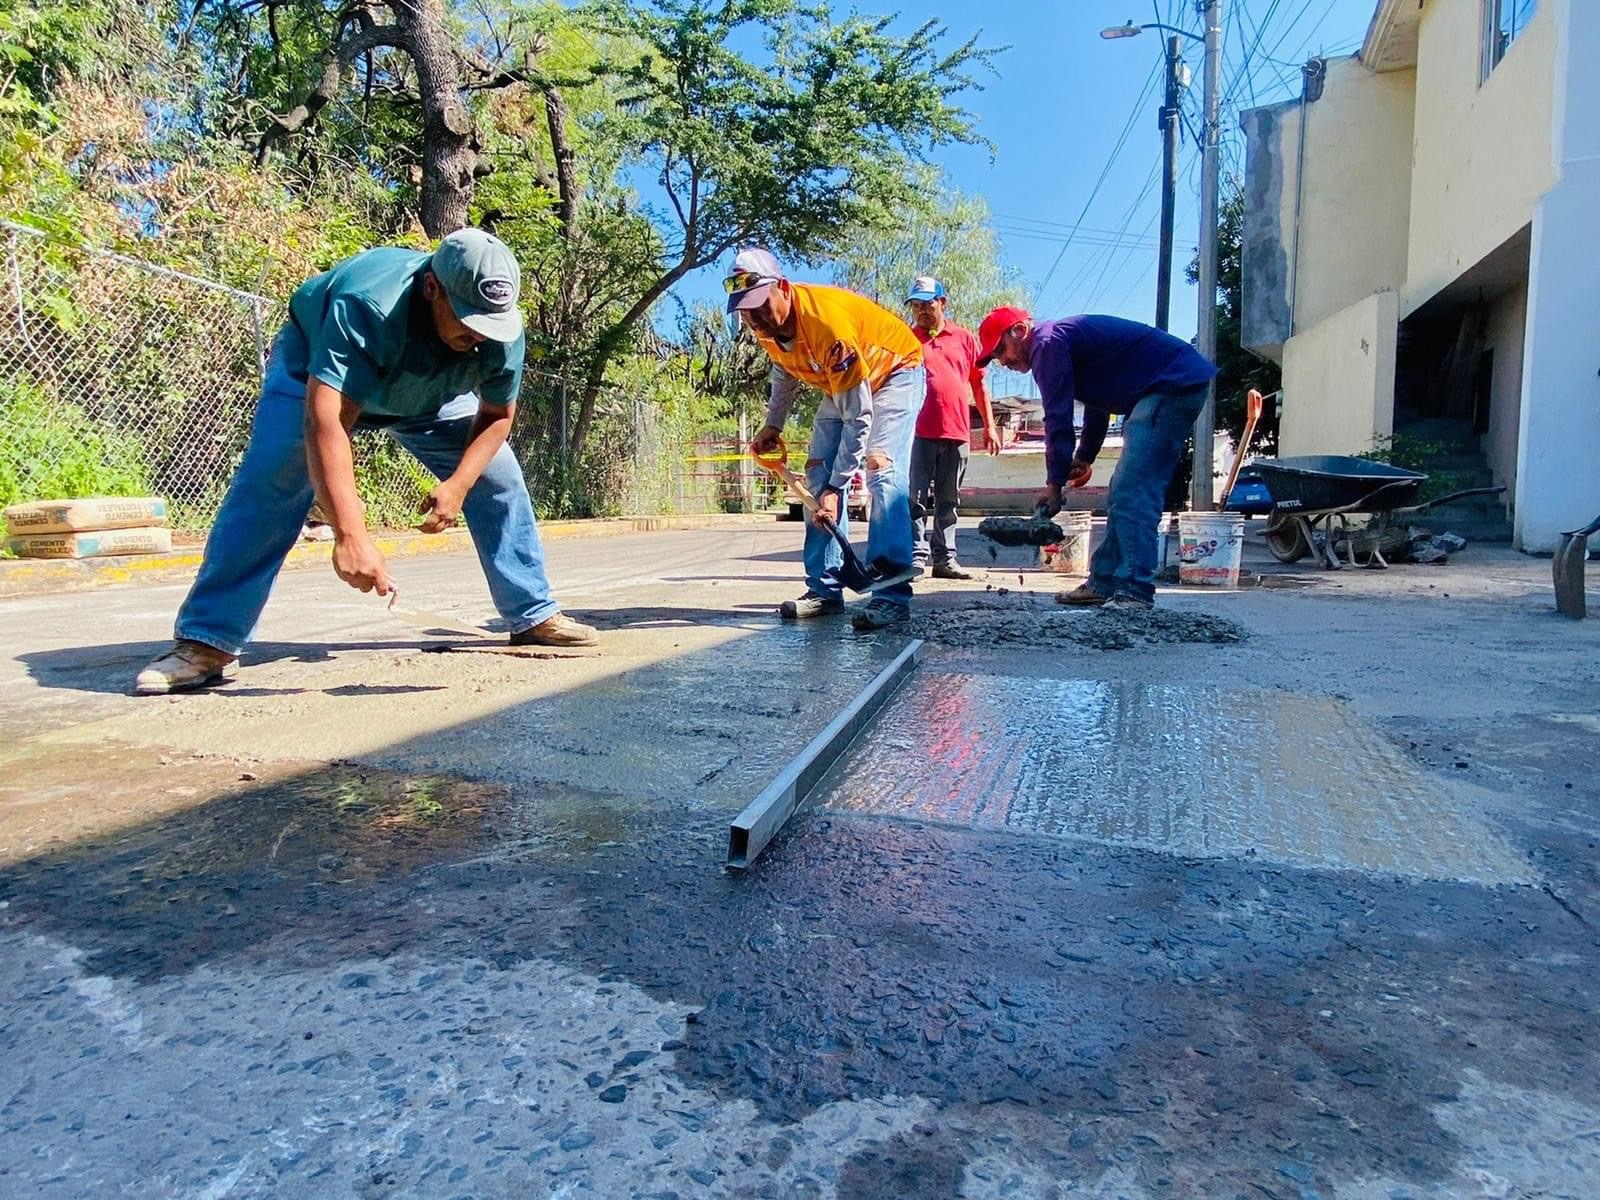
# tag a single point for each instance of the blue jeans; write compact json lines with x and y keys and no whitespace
{"x":894,"y":420}
{"x":268,"y":500}
{"x":1153,"y":437}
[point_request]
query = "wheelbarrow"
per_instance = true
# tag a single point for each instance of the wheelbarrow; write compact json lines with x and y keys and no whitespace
{"x":1314,"y":496}
{"x":851,"y":573}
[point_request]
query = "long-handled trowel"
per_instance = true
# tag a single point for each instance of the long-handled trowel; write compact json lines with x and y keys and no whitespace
{"x":1567,"y":568}
{"x":851,"y":572}
{"x":431,"y":620}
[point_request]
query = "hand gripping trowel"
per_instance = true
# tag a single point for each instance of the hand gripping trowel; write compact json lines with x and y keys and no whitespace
{"x":851,"y":572}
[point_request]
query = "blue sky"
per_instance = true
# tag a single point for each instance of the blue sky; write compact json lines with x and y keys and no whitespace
{"x":1058,"y":110}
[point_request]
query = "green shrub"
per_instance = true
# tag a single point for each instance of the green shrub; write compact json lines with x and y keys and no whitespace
{"x":1415,"y":453}
{"x":52,"y":450}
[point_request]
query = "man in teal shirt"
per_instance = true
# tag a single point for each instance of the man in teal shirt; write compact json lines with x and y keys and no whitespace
{"x":428,"y":348}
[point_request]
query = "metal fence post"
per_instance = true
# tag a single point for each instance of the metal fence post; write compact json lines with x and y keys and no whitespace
{"x":561,"y":467}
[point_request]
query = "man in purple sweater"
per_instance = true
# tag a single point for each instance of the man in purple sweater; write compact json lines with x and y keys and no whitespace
{"x":1157,"y":382}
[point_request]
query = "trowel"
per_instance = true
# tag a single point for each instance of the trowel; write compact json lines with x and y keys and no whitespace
{"x":1567,"y":568}
{"x":851,"y":572}
{"x":431,"y":620}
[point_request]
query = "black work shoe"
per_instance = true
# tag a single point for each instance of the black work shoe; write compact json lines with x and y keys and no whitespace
{"x":949,"y":571}
{"x":810,"y":605}
{"x":1124,"y":603}
{"x":880,"y":614}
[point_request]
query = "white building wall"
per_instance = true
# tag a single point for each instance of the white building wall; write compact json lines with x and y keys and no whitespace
{"x":1338,"y":380}
{"x":1558,"y":455}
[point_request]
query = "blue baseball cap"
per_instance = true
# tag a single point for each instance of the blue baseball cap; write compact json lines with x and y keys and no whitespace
{"x":926,"y":287}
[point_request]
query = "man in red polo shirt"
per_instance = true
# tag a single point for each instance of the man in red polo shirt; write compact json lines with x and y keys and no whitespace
{"x":939,"y":453}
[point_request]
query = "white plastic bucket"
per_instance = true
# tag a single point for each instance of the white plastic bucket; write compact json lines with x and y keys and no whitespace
{"x":1069,"y":556}
{"x":1209,"y":548}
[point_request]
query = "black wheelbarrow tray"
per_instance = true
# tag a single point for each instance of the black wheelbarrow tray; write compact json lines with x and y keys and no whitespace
{"x":1314,"y":496}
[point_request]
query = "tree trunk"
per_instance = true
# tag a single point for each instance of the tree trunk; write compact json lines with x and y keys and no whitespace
{"x":606,"y":348}
{"x":449,"y":156}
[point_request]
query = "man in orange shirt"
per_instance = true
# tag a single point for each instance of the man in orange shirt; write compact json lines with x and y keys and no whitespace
{"x":939,"y":454}
{"x":868,"y":367}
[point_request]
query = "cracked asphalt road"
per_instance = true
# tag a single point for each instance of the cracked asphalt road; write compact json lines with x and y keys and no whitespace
{"x":376,"y":921}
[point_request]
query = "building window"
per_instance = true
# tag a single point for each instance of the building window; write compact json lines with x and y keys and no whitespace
{"x":1504,"y":22}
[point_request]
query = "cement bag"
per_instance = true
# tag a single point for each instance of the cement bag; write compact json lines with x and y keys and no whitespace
{"x":69,"y":516}
{"x":92,"y":543}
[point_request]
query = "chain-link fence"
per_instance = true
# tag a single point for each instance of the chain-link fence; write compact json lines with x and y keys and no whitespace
{"x":122,"y":378}
{"x":119,"y":377}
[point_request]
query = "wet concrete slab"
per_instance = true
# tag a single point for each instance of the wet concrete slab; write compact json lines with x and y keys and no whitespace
{"x":1192,"y":770}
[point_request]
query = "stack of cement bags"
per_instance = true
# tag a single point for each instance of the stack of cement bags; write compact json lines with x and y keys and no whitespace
{"x":89,"y":528}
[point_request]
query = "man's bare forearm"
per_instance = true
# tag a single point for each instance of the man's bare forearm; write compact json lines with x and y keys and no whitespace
{"x":328,"y":456}
{"x":490,"y":429}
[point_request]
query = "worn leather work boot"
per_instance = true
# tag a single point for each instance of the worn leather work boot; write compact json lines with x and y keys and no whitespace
{"x":186,"y":666}
{"x":559,"y":631}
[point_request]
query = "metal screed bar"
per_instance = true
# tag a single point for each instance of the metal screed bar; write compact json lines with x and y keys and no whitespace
{"x":761,"y":819}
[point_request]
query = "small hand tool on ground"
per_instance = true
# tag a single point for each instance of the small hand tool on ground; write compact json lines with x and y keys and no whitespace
{"x":851,"y":573}
{"x":1567,"y":567}
{"x":431,"y":620}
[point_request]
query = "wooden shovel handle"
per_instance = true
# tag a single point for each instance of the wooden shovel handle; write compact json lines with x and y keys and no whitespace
{"x":1252,"y":414}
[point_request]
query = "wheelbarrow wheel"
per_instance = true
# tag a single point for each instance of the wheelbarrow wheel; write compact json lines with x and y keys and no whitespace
{"x":1285,"y":539}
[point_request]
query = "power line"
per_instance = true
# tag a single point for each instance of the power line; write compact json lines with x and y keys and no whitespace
{"x":1116,"y":150}
{"x":1120,"y":241}
{"x":1072,"y":285}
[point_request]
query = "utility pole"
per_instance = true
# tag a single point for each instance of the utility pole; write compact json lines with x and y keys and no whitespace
{"x":1169,"y":180}
{"x":1201,"y":487}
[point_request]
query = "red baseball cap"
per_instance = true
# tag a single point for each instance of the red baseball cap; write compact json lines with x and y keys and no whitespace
{"x":993,"y":328}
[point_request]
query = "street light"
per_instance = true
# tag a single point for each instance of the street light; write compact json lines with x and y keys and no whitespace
{"x":1201,"y":498}
{"x":1112,"y":32}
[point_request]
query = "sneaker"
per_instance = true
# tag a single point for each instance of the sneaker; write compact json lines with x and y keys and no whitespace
{"x":880,"y":614}
{"x":1082,"y":596}
{"x":560,"y":630}
{"x":810,"y":605}
{"x":1121,"y":603}
{"x":187,"y":665}
{"x":949,"y":571}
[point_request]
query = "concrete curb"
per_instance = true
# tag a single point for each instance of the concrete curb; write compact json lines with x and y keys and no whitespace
{"x":42,"y":576}
{"x":761,"y":819}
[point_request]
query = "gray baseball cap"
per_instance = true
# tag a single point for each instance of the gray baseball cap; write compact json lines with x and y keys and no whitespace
{"x":483,"y":281}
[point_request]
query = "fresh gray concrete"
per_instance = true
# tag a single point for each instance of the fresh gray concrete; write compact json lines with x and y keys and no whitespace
{"x":377,"y":920}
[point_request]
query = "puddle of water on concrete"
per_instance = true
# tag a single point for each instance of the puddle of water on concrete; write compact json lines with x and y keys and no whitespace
{"x":1203,"y":771}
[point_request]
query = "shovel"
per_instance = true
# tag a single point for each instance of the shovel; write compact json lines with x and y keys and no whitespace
{"x":1567,"y":567}
{"x":1252,"y":414}
{"x":851,"y":573}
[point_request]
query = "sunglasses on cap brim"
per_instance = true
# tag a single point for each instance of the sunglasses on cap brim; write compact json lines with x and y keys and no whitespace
{"x":743,"y":281}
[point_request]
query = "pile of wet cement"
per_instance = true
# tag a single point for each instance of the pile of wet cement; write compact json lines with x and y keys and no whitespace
{"x":997,"y":622}
{"x":1022,"y":531}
